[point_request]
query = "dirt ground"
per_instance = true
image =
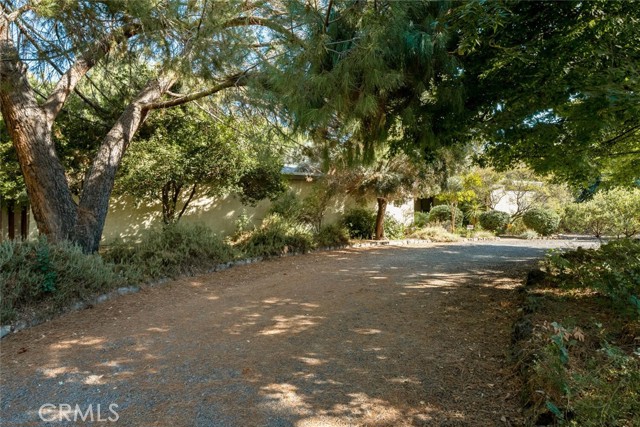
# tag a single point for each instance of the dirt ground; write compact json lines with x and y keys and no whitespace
{"x":384,"y":336}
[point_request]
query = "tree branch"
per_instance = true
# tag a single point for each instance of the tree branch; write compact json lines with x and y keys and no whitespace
{"x":184,"y":208}
{"x":12,"y":16}
{"x":233,"y":81}
{"x":263,"y":22}
{"x":82,"y":65}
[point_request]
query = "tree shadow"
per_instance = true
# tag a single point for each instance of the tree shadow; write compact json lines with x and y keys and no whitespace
{"x":381,"y":337}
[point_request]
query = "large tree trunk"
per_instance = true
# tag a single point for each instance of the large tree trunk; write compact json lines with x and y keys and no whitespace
{"x":382,"y":208}
{"x":29,"y":126}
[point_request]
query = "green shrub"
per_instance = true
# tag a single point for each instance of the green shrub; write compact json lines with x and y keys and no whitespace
{"x":288,"y":206}
{"x":420,"y":219}
{"x":442,"y":214}
{"x":614,"y":212}
{"x":277,"y":236}
{"x":172,"y":250}
{"x":51,"y":276}
{"x":529,"y":235}
{"x":542,"y":221}
{"x":332,"y":235}
{"x":483,"y":234}
{"x":360,"y":222}
{"x":516,"y":227}
{"x":393,"y":229}
{"x":613,"y":270}
{"x":576,"y":384}
{"x":496,"y":221}
{"x":435,"y":234}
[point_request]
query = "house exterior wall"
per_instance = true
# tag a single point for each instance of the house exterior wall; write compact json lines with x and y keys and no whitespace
{"x":127,"y":219}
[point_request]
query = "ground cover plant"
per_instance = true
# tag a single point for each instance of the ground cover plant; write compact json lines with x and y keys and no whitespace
{"x":578,"y":344}
{"x":43,"y":278}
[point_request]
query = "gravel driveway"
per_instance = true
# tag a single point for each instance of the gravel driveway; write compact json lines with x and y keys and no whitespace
{"x":383,"y":336}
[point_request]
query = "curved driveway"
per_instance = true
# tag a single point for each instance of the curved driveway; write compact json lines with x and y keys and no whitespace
{"x":384,"y":336}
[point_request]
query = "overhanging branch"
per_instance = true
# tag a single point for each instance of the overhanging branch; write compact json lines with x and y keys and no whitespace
{"x":233,"y":81}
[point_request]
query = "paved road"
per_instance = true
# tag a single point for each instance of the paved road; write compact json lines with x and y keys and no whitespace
{"x":386,"y":336}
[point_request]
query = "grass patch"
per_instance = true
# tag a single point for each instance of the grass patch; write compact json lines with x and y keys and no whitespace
{"x":42,"y":278}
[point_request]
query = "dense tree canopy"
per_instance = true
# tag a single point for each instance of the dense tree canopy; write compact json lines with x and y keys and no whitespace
{"x":559,"y":86}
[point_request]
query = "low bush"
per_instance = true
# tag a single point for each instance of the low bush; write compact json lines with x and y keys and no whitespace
{"x":277,"y":236}
{"x":435,"y":234}
{"x":172,"y":250}
{"x":516,"y":227}
{"x":529,"y":235}
{"x":393,"y":229}
{"x":612,"y":270}
{"x":496,"y":221}
{"x":420,"y":219}
{"x":50,"y":277}
{"x":442,"y":214}
{"x":332,"y":235}
{"x":580,"y":379}
{"x":360,"y":222}
{"x":483,"y":234}
{"x":542,"y":221}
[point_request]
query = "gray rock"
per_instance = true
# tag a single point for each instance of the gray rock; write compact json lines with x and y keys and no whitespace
{"x":103,"y":298}
{"x":4,"y":331}
{"x":128,"y":290}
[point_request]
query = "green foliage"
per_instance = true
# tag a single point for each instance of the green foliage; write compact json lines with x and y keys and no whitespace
{"x":183,"y":153}
{"x":581,"y":98}
{"x":332,"y":235}
{"x":420,"y":219}
{"x":48,"y":278}
{"x":542,"y":221}
{"x":435,"y":234}
{"x":288,"y":206}
{"x":580,"y":386}
{"x":614,"y":212}
{"x":393,"y":229}
{"x":173,"y":250}
{"x":262,"y":181}
{"x":360,"y":222}
{"x":277,"y":236}
{"x":442,"y":214}
{"x":529,"y":235}
{"x":494,"y":220}
{"x":613,"y":270}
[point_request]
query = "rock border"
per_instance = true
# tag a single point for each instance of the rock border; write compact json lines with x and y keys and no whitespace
{"x":6,"y":330}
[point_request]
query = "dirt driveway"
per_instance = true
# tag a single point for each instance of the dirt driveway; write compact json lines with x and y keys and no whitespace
{"x":385,"y":336}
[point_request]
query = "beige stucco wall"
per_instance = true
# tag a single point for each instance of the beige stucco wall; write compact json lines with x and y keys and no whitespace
{"x":127,"y":219}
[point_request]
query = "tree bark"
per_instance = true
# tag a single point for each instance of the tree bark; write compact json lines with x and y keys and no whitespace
{"x":29,"y":126}
{"x":382,"y":208}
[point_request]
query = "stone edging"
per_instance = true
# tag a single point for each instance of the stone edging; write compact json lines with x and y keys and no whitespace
{"x":81,"y":305}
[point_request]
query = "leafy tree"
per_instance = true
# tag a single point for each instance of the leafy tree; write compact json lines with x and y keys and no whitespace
{"x":391,"y":178}
{"x":187,"y":155}
{"x":557,"y":86}
{"x":458,"y":190}
{"x":207,"y":46}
